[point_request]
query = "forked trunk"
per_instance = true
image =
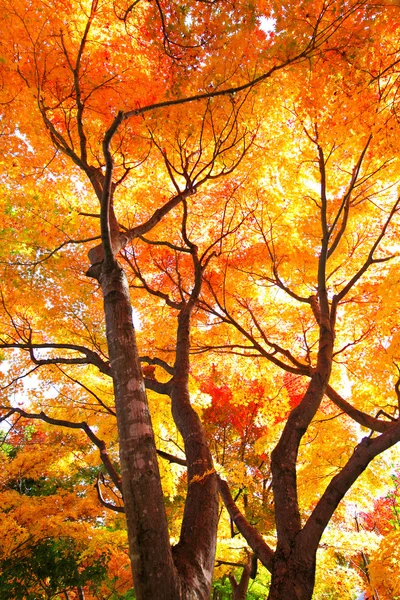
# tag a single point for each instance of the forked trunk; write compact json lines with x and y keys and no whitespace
{"x":158,"y":572}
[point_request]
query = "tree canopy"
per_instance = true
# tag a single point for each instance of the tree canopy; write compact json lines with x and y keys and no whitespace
{"x":199,"y":304}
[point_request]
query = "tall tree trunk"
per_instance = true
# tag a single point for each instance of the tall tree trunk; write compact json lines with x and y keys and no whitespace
{"x":195,"y":552}
{"x":154,"y":574}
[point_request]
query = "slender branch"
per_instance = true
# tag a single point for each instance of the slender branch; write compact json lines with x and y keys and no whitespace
{"x":158,"y":361}
{"x":161,"y":388}
{"x":264,"y":553}
{"x":88,"y":390}
{"x":106,"y":198}
{"x":163,"y":243}
{"x":158,"y":214}
{"x":316,"y":40}
{"x":57,"y":249}
{"x":152,"y":291}
{"x":18,"y":378}
{"x":76,"y":70}
{"x":275,"y":347}
{"x":227,"y":318}
{"x":323,"y":301}
{"x":397,"y":386}
{"x":370,"y":259}
{"x":220,"y":562}
{"x":171,"y":458}
{"x":5,"y":417}
{"x":345,"y":206}
{"x":71,"y":425}
{"x":109,"y":505}
{"x":90,"y":356}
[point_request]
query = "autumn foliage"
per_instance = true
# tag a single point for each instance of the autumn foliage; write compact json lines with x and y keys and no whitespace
{"x":199,"y":299}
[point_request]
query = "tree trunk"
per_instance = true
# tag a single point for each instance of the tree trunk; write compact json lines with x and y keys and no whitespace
{"x":154,"y":574}
{"x":81,"y":593}
{"x":293,"y":575}
{"x":240,"y":589}
{"x":195,"y":553}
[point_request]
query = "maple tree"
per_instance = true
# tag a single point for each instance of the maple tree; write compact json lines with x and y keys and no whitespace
{"x":229,"y":171}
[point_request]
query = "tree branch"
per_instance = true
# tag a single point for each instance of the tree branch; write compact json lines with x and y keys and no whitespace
{"x":360,"y":417}
{"x":370,"y":259}
{"x":106,"y":212}
{"x":171,"y":458}
{"x":90,"y":356}
{"x":363,"y":454}
{"x":109,"y":505}
{"x":71,"y":425}
{"x":264,"y":553}
{"x":158,"y":361}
